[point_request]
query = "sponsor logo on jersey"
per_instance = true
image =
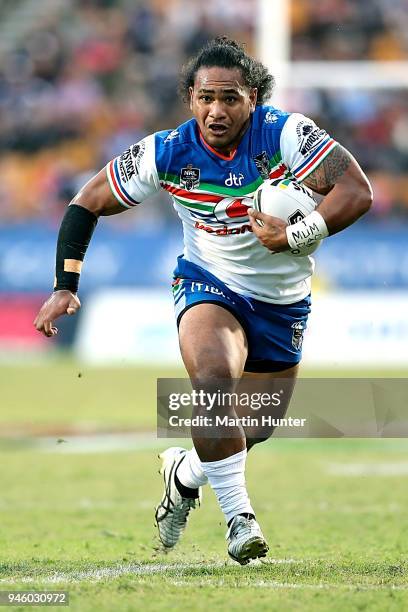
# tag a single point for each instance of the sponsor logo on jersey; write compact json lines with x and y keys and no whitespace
{"x":309,"y":136}
{"x":271,"y":117}
{"x":223,"y":231}
{"x":232,"y":209}
{"x":171,"y":136}
{"x":189,"y":177}
{"x":127,"y":167}
{"x":129,"y":161}
{"x":138,"y":152}
{"x":233,"y":180}
{"x":262,"y":164}
{"x":297,"y":334}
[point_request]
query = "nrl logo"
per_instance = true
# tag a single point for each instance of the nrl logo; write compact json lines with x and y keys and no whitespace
{"x":189,"y":177}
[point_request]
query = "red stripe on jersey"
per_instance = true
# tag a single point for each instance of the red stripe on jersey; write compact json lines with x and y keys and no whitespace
{"x":329,"y":144}
{"x":200,"y":197}
{"x":278,"y":172}
{"x":117,"y":186}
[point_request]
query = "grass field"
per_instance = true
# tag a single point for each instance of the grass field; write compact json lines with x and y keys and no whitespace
{"x":334,"y":511}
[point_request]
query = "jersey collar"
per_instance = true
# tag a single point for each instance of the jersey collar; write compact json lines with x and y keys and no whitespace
{"x":229,"y":157}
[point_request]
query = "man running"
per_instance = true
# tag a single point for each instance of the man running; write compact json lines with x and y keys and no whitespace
{"x":240,"y":312}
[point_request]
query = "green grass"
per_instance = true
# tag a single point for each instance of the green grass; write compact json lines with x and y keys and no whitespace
{"x":338,"y":542}
{"x":64,"y":392}
{"x":84,"y":523}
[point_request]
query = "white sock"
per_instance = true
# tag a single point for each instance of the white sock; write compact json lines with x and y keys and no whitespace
{"x":190,"y":473}
{"x":227,"y":479}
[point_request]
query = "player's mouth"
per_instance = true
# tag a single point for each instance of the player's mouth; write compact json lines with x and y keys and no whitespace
{"x":217,"y":129}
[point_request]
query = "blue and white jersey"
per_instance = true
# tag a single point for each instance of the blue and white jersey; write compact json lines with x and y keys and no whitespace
{"x":211,"y":194}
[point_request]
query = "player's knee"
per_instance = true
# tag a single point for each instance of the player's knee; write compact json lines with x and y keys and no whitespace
{"x":213,"y":379}
{"x":208,"y":374}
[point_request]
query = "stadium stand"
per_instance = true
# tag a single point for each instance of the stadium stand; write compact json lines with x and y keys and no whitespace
{"x":80,"y":81}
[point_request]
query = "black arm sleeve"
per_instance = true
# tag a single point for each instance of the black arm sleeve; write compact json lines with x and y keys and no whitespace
{"x":74,"y":236}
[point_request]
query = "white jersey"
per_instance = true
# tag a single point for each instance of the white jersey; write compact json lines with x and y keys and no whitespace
{"x":211,"y":194}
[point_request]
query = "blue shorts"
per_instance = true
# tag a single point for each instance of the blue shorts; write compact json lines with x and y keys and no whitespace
{"x":274,"y":331}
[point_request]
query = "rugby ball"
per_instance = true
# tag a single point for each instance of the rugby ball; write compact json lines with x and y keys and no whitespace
{"x":289,"y":201}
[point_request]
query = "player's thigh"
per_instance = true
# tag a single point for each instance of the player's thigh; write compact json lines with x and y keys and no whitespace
{"x":212,"y":342}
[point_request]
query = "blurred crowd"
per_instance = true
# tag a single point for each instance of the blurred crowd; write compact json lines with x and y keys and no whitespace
{"x":372,"y":124}
{"x":349,"y":30}
{"x":95,"y":76}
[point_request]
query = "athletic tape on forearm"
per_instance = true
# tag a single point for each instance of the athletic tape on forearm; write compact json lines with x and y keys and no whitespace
{"x":307,"y":232}
{"x":74,"y":236}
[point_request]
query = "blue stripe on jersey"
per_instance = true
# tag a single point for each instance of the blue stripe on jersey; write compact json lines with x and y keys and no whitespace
{"x":115,"y":169}
{"x":325,"y":141}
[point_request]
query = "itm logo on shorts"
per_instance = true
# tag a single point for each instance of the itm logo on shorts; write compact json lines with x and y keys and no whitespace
{"x":197,"y":287}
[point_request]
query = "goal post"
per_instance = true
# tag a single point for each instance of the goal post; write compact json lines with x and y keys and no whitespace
{"x":273,"y":47}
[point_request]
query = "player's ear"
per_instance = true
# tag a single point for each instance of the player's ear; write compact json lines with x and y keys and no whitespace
{"x":253,"y":96}
{"x":190,"y":93}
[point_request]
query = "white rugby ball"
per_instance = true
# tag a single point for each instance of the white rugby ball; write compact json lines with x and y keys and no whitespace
{"x":288,"y":201}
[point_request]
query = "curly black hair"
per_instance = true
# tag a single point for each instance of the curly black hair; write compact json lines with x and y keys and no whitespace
{"x":226,"y":53}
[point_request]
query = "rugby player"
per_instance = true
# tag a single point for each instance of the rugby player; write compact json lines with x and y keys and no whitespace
{"x":239,"y":311}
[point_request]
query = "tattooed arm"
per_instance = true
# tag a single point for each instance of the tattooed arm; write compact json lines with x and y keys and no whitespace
{"x":347,"y":190}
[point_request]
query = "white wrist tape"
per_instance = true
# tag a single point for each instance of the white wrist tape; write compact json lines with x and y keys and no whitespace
{"x":305,"y":233}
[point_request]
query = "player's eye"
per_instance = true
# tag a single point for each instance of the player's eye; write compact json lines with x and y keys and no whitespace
{"x":205,"y":98}
{"x":230,"y":99}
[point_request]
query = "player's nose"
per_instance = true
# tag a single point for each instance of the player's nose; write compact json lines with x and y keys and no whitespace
{"x":217,"y":110}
